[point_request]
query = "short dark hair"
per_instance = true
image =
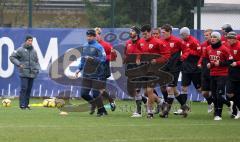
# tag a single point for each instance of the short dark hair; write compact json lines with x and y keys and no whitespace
{"x":91,"y":32}
{"x":167,"y":28}
{"x":28,"y":37}
{"x":146,"y":28}
{"x":136,"y":29}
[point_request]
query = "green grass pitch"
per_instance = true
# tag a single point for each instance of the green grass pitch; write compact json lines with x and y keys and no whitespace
{"x":46,"y":125}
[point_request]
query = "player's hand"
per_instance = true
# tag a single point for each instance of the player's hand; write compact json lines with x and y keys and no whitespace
{"x":76,"y":74}
{"x":234,"y":64}
{"x":154,"y":61}
{"x":21,"y":66}
{"x":89,"y":57}
{"x":199,"y":66}
{"x":138,"y":61}
{"x":217,"y":63}
{"x":208,"y":65}
{"x":101,"y":91}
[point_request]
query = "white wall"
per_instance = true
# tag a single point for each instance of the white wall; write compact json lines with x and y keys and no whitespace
{"x":217,"y":20}
{"x":223,"y":1}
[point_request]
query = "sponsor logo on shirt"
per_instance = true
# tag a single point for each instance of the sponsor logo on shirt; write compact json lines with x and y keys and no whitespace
{"x":171,"y":45}
{"x":235,"y":52}
{"x":214,"y":58}
{"x":218,"y":53}
{"x":150,"y":46}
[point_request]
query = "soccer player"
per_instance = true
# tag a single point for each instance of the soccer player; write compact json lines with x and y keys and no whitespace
{"x":173,"y":66}
{"x":219,"y":58}
{"x":133,"y":47}
{"x":94,"y":81}
{"x":233,"y":83}
{"x":156,"y":33}
{"x":26,"y":59}
{"x":205,"y":76}
{"x":190,"y":70}
{"x":149,"y":44}
{"x":110,"y":56}
{"x":226,"y":28}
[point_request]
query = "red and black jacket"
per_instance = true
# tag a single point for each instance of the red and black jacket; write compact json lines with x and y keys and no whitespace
{"x":234,"y":72}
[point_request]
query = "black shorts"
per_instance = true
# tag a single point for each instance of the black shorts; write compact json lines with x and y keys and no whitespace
{"x":175,"y":79}
{"x":205,"y":83}
{"x":218,"y":84}
{"x":195,"y":78}
{"x":94,"y":84}
{"x":233,"y":87}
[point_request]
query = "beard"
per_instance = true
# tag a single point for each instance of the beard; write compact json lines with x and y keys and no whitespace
{"x":132,"y":36}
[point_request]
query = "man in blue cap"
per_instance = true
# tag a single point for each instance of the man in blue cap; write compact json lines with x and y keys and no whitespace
{"x":93,"y":58}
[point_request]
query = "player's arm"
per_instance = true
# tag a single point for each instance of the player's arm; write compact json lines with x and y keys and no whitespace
{"x":15,"y":58}
{"x":185,"y":51}
{"x":164,"y":51}
{"x":101,"y":57}
{"x":38,"y":67}
{"x":196,"y":50}
{"x":228,"y":56}
{"x":203,"y":56}
{"x":108,"y":51}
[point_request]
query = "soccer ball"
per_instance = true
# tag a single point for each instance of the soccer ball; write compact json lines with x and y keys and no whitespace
{"x":49,"y":103}
{"x":52,"y":103}
{"x":59,"y":103}
{"x":45,"y":102}
{"x":6,"y":103}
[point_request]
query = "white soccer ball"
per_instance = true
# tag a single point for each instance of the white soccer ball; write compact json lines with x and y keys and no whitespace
{"x":59,"y":103}
{"x":49,"y":103}
{"x":6,"y":102}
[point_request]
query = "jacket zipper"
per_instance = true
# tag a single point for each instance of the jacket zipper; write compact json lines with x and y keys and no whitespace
{"x":29,"y":61}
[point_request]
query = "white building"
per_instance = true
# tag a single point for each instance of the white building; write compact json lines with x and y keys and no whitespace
{"x":215,"y":13}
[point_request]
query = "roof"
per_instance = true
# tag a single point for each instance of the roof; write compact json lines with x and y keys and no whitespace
{"x":219,"y":7}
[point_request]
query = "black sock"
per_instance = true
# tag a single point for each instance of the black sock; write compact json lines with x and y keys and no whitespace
{"x":165,"y":95}
{"x":180,"y":99}
{"x":184,"y":97}
{"x":235,"y":105}
{"x":87,"y":98}
{"x":170,"y":101}
{"x":101,"y":110}
{"x":237,"y":101}
{"x":144,"y":99}
{"x":227,"y":101}
{"x":209,"y":100}
{"x":139,"y":106}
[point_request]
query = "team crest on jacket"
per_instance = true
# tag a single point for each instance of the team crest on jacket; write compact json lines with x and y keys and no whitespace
{"x":235,"y":52}
{"x":188,"y":44}
{"x":141,"y":44}
{"x":171,"y":45}
{"x":218,"y":53}
{"x":150,"y":46}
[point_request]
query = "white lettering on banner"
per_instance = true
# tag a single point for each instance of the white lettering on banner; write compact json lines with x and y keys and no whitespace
{"x":118,"y":63}
{"x":67,"y":63}
{"x":10,"y":69}
{"x":51,"y":55}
